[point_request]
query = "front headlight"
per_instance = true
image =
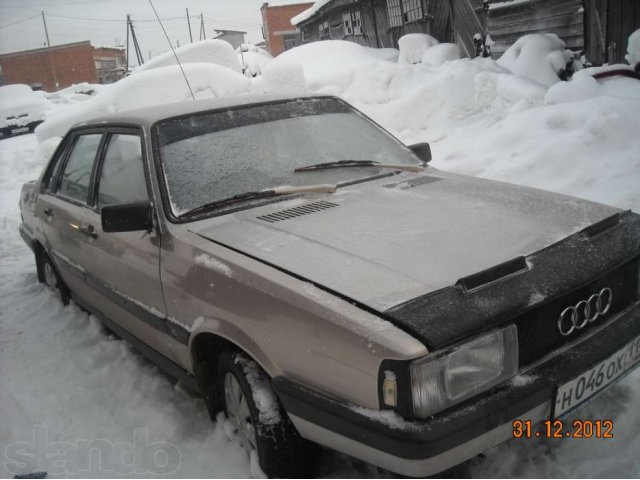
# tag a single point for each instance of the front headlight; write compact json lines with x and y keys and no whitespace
{"x":442,"y":380}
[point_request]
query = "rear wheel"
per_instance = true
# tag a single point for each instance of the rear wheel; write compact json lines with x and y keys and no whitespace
{"x":257,"y":418}
{"x":48,"y":275}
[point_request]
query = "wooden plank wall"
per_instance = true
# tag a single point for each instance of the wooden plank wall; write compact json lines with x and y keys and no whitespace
{"x":439,"y":12}
{"x":623,"y":18}
{"x":565,"y":18}
{"x":466,"y":19}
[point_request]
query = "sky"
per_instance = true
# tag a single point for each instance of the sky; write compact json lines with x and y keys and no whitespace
{"x":103,"y":22}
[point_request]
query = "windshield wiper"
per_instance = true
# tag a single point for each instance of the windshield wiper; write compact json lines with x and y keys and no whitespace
{"x":360,"y":163}
{"x":272,"y":192}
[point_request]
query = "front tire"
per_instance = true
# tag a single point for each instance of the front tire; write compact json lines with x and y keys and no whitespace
{"x":258,"y":419}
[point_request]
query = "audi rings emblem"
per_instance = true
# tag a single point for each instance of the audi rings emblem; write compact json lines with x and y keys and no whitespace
{"x":585,"y":311}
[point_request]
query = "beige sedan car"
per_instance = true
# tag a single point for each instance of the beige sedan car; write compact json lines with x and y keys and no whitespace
{"x":317,"y":281}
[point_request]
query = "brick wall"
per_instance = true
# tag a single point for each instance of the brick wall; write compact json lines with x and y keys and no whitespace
{"x":276,"y":21}
{"x":73,"y":63}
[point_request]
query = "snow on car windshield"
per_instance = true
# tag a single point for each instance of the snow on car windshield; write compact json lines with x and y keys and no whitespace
{"x":212,"y":156}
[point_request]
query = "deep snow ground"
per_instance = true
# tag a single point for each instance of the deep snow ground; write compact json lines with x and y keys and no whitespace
{"x":67,"y":386}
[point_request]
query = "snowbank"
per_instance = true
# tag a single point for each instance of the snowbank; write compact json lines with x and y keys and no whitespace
{"x":633,"y":50}
{"x":583,"y":86}
{"x":284,"y":77}
{"x":253,"y":59}
{"x":332,"y":64}
{"x":413,"y":47}
{"x":217,"y":52}
{"x":539,"y":57}
{"x":441,"y":53}
{"x":161,"y":85}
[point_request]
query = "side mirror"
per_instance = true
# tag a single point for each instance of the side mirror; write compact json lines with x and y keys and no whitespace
{"x":423,"y":150}
{"x":131,"y":217}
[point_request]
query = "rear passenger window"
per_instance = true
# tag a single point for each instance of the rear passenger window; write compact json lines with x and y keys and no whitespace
{"x":77,"y":172}
{"x":122,"y":176}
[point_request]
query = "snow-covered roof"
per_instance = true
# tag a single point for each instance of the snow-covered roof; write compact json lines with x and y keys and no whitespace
{"x":309,"y":12}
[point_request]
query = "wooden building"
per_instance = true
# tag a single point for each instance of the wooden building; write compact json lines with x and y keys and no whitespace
{"x":599,"y":28}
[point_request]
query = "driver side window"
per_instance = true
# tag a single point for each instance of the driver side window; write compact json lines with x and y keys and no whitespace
{"x":122,"y":178}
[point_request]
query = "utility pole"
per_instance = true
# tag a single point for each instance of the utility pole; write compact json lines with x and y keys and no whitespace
{"x":126,"y":72}
{"x":53,"y":69}
{"x":136,"y":45}
{"x":203,"y":34}
{"x":189,"y":23}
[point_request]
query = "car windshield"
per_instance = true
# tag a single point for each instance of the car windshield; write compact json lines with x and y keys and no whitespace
{"x":213,"y":156}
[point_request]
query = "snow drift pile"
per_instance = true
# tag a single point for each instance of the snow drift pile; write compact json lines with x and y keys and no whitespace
{"x":511,"y":119}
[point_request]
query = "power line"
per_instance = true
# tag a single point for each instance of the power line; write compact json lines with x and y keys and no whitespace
{"x":117,"y":20}
{"x":20,"y":21}
{"x":53,"y":5}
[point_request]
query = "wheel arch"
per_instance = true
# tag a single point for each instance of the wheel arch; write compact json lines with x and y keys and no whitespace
{"x":206,"y":346}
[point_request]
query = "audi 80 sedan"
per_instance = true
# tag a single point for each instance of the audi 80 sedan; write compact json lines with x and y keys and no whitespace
{"x":317,"y":280}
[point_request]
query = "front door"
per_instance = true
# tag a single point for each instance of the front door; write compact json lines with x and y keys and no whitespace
{"x":125,"y":267}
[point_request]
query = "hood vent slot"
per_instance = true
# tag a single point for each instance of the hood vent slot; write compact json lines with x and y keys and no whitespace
{"x":416,"y":182}
{"x":297,"y":211}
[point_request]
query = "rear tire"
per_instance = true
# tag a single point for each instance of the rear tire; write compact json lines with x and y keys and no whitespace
{"x":48,"y":275}
{"x":258,"y":419}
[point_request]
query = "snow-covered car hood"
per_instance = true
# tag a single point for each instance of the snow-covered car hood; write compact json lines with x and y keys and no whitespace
{"x":387,"y":241}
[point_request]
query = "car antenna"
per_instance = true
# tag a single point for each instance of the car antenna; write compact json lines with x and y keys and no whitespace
{"x":174,"y":52}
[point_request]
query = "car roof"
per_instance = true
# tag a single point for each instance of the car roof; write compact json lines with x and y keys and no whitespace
{"x":150,"y":115}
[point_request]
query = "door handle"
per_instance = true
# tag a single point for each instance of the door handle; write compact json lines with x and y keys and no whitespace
{"x":48,"y":212}
{"x":89,"y":231}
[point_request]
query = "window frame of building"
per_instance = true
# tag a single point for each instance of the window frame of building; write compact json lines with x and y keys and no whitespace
{"x":324,"y":30}
{"x":412,"y":11}
{"x":356,"y":22}
{"x":352,"y":23}
{"x":394,"y":12}
{"x":403,"y":12}
{"x":348,"y":26}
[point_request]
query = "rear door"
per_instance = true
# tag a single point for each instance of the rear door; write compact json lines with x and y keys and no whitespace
{"x":63,"y":203}
{"x":125,"y":267}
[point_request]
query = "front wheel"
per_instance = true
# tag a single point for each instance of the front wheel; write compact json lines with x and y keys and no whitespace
{"x":257,"y":418}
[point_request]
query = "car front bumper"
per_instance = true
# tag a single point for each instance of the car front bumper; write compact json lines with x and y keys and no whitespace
{"x":425,"y":447}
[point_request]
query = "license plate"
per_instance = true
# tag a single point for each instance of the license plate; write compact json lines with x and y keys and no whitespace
{"x":19,"y":130}
{"x":589,"y":383}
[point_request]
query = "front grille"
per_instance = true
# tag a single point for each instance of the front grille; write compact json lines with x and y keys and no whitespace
{"x":538,"y":333}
